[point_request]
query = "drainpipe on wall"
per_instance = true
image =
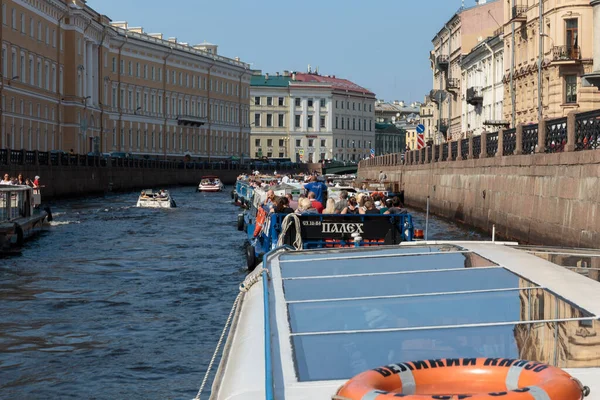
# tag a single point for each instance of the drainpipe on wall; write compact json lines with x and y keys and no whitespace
{"x":59,"y":89}
{"x":512,"y":71}
{"x":241,"y":119}
{"x":165,"y":101}
{"x":540,"y":57}
{"x":448,"y":76}
{"x":209,"y":113}
{"x":100,"y":79}
{"x":493,"y":80}
{"x":119,"y":127}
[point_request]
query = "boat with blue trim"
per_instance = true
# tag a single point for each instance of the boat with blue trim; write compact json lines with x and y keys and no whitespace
{"x":418,"y":320}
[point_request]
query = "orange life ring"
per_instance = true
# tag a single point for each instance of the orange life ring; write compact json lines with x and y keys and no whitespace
{"x":464,"y":378}
{"x":261,"y":216}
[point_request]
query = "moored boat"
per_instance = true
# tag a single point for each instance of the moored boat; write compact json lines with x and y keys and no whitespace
{"x":156,"y":199}
{"x":210,"y":184}
{"x":21,"y":214}
{"x":442,"y":320}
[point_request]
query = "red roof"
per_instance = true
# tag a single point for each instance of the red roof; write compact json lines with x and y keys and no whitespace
{"x":336,"y":83}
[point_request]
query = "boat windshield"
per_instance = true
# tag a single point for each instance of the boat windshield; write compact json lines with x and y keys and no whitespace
{"x":352,"y":310}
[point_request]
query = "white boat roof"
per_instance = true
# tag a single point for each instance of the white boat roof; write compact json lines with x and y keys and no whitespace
{"x":336,"y":313}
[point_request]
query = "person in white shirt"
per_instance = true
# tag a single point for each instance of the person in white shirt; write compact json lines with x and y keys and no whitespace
{"x":6,"y":180}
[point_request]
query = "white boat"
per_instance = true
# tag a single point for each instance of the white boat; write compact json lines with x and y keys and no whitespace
{"x":158,"y":199}
{"x":21,"y":214}
{"x":485,"y":317}
{"x":210,"y":184}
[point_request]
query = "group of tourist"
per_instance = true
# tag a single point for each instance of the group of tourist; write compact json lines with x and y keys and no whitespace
{"x":315,"y":201}
{"x":19,"y":180}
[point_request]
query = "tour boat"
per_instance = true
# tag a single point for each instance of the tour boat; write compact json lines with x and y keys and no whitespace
{"x":210,"y":184}
{"x":266,"y":231}
{"x":21,"y":214}
{"x":156,"y":199}
{"x":422,"y":320}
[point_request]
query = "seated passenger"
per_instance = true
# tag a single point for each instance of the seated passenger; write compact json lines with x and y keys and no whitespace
{"x":330,"y":209}
{"x":352,"y":207}
{"x":305,"y":207}
{"x":396,"y":207}
{"x":370,"y":208}
{"x":281,"y":206}
{"x":315,"y":203}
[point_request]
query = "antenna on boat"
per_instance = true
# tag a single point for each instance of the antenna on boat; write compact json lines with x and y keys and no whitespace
{"x":427,"y":219}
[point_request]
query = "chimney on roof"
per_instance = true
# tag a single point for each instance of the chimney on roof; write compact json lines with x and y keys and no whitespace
{"x":277,"y":73}
{"x":293,"y":76}
{"x":309,"y":70}
{"x":237,"y":59}
{"x":317,"y":70}
{"x":401,"y":103}
{"x":396,"y":102}
{"x":172,"y":40}
{"x":286,"y":72}
{"x":267,"y":76}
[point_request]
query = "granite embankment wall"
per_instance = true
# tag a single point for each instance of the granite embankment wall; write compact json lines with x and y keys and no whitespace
{"x":545,"y":199}
{"x":75,"y":176}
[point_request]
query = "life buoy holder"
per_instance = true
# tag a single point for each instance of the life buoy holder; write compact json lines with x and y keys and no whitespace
{"x":261,"y":216}
{"x":464,"y":378}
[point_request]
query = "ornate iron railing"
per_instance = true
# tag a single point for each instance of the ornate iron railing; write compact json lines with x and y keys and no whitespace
{"x":556,"y":135}
{"x":430,"y":154}
{"x":587,"y":130}
{"x":491,"y":144}
{"x":438,"y":148}
{"x":453,"y":150}
{"x":566,"y":53}
{"x":417,"y":158}
{"x":422,"y":155}
{"x":510,"y":142}
{"x":476,"y":146}
{"x":530,"y":138}
{"x":444,"y":151}
{"x":464,"y":148}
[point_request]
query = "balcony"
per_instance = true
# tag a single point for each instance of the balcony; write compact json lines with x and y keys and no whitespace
{"x":190,"y":120}
{"x":442,"y":62}
{"x":499,"y":31}
{"x":475,"y":95}
{"x":452,"y":84}
{"x":519,"y":14}
{"x":566,"y":54}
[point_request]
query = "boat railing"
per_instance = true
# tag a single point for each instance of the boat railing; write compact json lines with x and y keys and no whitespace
{"x":15,"y":202}
{"x":335,"y":230}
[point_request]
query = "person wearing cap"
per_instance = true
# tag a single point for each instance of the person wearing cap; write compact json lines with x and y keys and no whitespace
{"x":36,"y":181}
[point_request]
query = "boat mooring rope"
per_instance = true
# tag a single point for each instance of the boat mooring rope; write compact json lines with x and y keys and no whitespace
{"x":285,"y":225}
{"x":250,"y":280}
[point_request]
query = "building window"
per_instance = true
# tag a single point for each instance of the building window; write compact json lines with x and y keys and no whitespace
{"x":281,"y":141}
{"x":281,"y":101}
{"x":571,"y":89}
{"x":322,"y":103}
{"x":310,"y":103}
{"x":269,"y":101}
{"x":297,"y":121}
{"x":297,"y":101}
{"x":257,"y":101}
{"x":572,"y":39}
{"x":280,"y":120}
{"x":311,"y":142}
{"x":280,"y":155}
{"x":310,"y":121}
{"x":298,"y":142}
{"x":257,"y":142}
{"x":269,"y":120}
{"x":256,"y":119}
{"x":322,"y":142}
{"x":336,"y":122}
{"x":269,"y":142}
{"x":322,"y":122}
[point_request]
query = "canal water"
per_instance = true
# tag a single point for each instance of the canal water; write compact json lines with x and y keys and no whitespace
{"x":113,"y":301}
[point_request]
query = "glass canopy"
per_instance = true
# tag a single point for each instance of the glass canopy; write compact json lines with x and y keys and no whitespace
{"x":354,"y":310}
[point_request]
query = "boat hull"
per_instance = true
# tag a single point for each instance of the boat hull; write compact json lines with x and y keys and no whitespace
{"x":203,"y":188}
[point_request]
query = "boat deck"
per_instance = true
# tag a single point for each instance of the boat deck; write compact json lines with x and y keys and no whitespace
{"x":332,"y":314}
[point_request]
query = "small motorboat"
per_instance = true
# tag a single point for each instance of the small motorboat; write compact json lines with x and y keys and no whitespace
{"x":210,"y":184}
{"x":160,"y":199}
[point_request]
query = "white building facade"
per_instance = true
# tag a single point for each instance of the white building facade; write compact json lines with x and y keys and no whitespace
{"x":325,"y":118}
{"x":483,"y":91}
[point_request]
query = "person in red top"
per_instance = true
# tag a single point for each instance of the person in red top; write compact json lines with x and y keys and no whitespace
{"x":315,"y":203}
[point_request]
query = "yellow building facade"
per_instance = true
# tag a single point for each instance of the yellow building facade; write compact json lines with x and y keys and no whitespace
{"x":73,"y":80}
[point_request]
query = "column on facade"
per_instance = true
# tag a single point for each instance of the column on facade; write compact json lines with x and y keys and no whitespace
{"x":89,"y":67}
{"x":317,"y":116}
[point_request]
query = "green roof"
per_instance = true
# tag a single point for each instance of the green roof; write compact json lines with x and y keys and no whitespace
{"x":273,"y":81}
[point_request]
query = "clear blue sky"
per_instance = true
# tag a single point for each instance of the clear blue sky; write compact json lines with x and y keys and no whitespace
{"x":382,"y":45}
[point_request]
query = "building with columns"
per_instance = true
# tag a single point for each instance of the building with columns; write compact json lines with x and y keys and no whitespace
{"x":72,"y":79}
{"x":482,"y":91}
{"x":567,"y":38}
{"x":458,"y":36}
{"x":327,"y":118}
